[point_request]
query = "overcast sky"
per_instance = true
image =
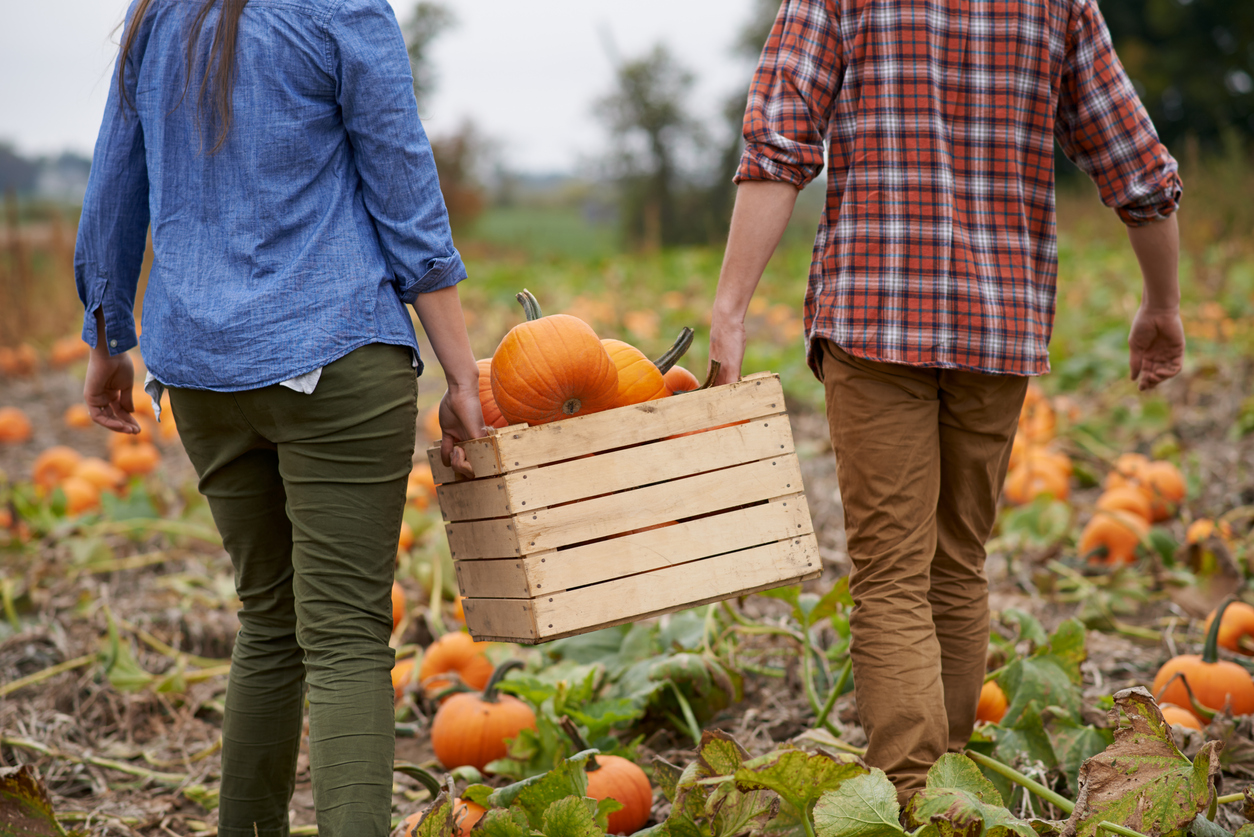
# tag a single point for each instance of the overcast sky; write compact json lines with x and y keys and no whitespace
{"x":526,"y":71}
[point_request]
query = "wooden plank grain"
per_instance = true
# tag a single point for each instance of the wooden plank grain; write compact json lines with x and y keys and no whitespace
{"x":474,"y":499}
{"x":483,"y":539}
{"x":503,"y":578}
{"x":644,"y":464}
{"x":781,"y":519}
{"x":647,"y":506}
{"x":504,"y":620}
{"x":719,"y":577}
{"x":637,"y":423}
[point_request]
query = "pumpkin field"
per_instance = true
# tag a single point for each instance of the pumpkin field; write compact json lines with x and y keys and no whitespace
{"x":1119,"y":572}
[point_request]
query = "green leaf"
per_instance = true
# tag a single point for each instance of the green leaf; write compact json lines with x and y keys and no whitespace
{"x":719,"y":754}
{"x":864,"y":806}
{"x":573,"y":816}
{"x":1075,"y":743}
{"x":478,"y":794}
{"x":958,"y":800}
{"x":1026,"y":739}
{"x":503,"y":822}
{"x":436,"y":821}
{"x":1066,"y":645}
{"x":534,"y":795}
{"x":666,"y":776}
{"x":799,"y":778}
{"x":25,"y":810}
{"x":136,"y":505}
{"x":120,"y":666}
{"x":1029,"y":627}
{"x":1142,"y":781}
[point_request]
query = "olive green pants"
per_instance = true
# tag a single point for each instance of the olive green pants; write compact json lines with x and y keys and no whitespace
{"x":920,"y":456}
{"x":308,"y":492}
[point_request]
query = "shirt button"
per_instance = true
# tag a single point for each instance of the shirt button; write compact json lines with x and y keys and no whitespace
{"x":113,"y":343}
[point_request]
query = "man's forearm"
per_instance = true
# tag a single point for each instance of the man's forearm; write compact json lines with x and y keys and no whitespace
{"x":445,"y":325}
{"x":761,"y":214}
{"x":1157,"y":248}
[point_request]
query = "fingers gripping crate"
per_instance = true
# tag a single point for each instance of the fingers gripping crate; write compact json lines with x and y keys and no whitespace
{"x":609,"y":518}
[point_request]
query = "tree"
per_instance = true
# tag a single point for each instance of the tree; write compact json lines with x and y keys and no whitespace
{"x":458,"y":158}
{"x":648,"y":117}
{"x":1192,"y":61}
{"x":426,"y":23}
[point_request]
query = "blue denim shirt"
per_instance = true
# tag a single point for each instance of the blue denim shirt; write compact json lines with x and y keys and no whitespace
{"x":303,"y":236}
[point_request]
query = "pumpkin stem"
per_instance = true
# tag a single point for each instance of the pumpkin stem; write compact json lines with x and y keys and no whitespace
{"x":681,"y":345}
{"x":576,"y":738}
{"x":1210,"y":651}
{"x":713,"y":373}
{"x":1200,"y":711}
{"x":424,"y":778}
{"x":531,"y":306}
{"x":489,"y":691}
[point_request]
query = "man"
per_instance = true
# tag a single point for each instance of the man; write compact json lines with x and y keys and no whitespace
{"x":931,"y":294}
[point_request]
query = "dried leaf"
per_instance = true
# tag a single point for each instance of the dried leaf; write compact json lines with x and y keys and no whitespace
{"x":25,"y":810}
{"x":1142,"y":781}
{"x":436,"y":821}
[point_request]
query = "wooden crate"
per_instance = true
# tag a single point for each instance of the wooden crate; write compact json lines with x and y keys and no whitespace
{"x":571,"y":526}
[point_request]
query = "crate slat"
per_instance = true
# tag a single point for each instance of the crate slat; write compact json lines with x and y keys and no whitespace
{"x":543,"y":573}
{"x":483,"y":539}
{"x":650,"y":505}
{"x":647,"y":594}
{"x":515,"y":447}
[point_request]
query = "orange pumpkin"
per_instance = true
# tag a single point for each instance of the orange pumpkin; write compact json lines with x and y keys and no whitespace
{"x":491,"y":413}
{"x":402,"y":674}
{"x":454,"y":653}
{"x":459,"y":609}
{"x":993,"y":703}
{"x":638,"y":378}
{"x":1202,"y":528}
{"x":1164,"y":487}
{"x":550,"y":368}
{"x":1040,"y":423}
{"x":101,"y":474}
{"x":14,"y":426}
{"x":1112,"y":536}
{"x":1213,"y":682}
{"x":1238,"y":624}
{"x":80,"y":495}
{"x":53,"y":465}
{"x":679,"y":379}
{"x":1125,"y":498}
{"x":1034,"y":478}
{"x":1173,"y":714}
{"x":620,"y":779}
{"x":398,"y":604}
{"x":20,"y":362}
{"x":406,"y":539}
{"x":140,"y":458}
{"x":68,"y":350}
{"x":420,"y":487}
{"x":474,"y":729}
{"x":76,"y":416}
{"x":121,"y":440}
{"x":1128,"y":470}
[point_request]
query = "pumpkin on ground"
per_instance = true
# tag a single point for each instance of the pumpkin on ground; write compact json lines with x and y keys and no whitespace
{"x":1212,"y":681}
{"x":80,"y":495}
{"x":68,"y":350}
{"x":19,"y":362}
{"x":141,"y":458}
{"x":101,"y":474}
{"x":1128,"y":470}
{"x":1033,"y":479}
{"x":420,"y":487}
{"x":454,"y":653}
{"x":402,"y":674}
{"x":550,"y":368}
{"x":1164,"y":487}
{"x":1125,"y":498}
{"x":1173,"y":714}
{"x":14,"y":426}
{"x":472,"y":728}
{"x":617,"y":778}
{"x":398,"y":604}
{"x":993,"y":703}
{"x":1202,"y":528}
{"x":76,"y":416}
{"x":1112,"y":537}
{"x":1236,"y":631}
{"x":465,"y":815}
{"x":53,"y":465}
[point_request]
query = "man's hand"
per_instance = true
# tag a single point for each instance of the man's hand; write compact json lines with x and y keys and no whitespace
{"x":107,"y":390}
{"x":727,"y":346}
{"x":1156,"y":346}
{"x":461,"y":419}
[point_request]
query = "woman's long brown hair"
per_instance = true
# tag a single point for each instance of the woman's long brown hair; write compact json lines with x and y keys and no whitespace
{"x":217,"y":85}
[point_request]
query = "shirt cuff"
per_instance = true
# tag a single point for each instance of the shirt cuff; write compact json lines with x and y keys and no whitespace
{"x":756,"y":163}
{"x":441,"y":273}
{"x":119,"y":328}
{"x":1158,"y":205}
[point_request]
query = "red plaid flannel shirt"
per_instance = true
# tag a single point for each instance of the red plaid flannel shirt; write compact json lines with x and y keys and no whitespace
{"x":938,"y":246}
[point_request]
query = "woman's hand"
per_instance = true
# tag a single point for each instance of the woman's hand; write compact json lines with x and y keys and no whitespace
{"x":107,"y":390}
{"x":461,"y":419}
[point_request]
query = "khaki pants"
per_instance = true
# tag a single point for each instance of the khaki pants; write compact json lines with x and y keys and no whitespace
{"x":921,"y":455}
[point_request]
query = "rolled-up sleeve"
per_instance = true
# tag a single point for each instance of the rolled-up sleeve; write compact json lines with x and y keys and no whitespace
{"x":113,"y":228}
{"x":791,"y":95}
{"x":1103,"y":127}
{"x":400,"y":184}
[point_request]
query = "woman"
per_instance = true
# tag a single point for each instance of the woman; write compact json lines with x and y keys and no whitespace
{"x":276,"y":153}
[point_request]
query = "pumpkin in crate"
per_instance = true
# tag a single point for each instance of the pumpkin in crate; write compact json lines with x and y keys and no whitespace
{"x":550,"y":368}
{"x":474,"y":729}
{"x":1211,"y":681}
{"x":638,"y":378}
{"x":491,"y":413}
{"x":679,"y":379}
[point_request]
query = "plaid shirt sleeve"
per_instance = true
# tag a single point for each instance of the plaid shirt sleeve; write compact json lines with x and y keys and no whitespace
{"x":1103,"y":127}
{"x":791,"y":96}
